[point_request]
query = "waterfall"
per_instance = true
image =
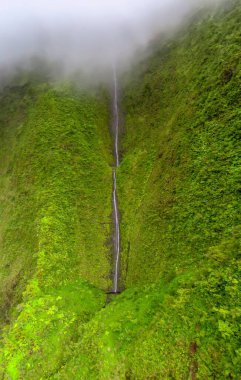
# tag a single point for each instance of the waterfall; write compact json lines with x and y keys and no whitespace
{"x":115,"y":200}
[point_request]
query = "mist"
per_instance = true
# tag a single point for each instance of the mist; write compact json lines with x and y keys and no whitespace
{"x":87,"y":36}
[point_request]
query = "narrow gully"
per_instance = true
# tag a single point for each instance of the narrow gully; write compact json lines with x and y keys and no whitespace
{"x":116,"y":237}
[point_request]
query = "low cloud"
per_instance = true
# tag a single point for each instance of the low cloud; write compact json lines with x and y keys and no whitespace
{"x":86,"y":35}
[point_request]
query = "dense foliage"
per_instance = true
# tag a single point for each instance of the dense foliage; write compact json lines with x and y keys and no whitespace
{"x":179,"y":183}
{"x":56,"y":180}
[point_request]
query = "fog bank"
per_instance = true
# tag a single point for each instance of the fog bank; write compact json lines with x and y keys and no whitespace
{"x":86,"y":35}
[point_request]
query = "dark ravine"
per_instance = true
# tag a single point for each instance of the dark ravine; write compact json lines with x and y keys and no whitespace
{"x":116,"y":237}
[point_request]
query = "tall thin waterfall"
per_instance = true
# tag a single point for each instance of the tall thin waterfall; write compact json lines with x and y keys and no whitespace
{"x":115,"y":200}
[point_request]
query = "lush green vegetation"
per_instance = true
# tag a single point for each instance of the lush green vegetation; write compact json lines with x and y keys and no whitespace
{"x":180,"y":199}
{"x":181,"y":166}
{"x":179,"y":193}
{"x":56,"y":182}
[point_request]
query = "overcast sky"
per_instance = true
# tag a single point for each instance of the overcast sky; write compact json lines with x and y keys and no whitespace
{"x":85,"y":34}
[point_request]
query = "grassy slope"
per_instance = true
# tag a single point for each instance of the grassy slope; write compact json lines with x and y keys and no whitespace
{"x":179,"y":193}
{"x":56,"y":183}
{"x":180,"y":176}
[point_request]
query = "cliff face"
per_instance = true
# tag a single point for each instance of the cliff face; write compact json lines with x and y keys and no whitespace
{"x":56,"y":181}
{"x":179,"y":190}
{"x":180,"y":176}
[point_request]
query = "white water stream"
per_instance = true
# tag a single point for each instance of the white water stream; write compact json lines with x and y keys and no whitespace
{"x":115,"y":202}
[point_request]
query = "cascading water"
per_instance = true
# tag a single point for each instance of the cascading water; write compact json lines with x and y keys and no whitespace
{"x":115,"y":201}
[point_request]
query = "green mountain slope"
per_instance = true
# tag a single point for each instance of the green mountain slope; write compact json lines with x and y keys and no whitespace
{"x":179,"y":316}
{"x":56,"y":183}
{"x":180,"y":176}
{"x":179,"y":194}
